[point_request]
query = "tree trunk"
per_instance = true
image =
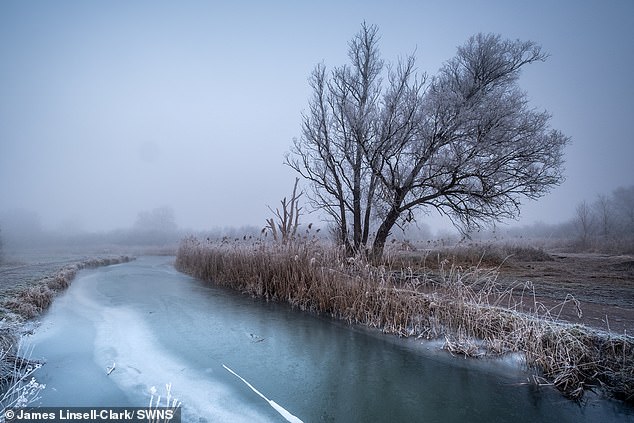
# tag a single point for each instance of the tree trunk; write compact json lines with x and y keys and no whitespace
{"x":356,"y":200}
{"x":382,"y":233}
{"x":345,"y":239}
{"x":368,"y":212}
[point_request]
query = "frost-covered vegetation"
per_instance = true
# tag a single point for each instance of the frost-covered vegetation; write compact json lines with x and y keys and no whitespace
{"x":27,"y":289}
{"x":171,"y":403}
{"x":18,"y":387}
{"x":460,"y":304}
{"x":382,"y":143}
{"x":30,"y":299}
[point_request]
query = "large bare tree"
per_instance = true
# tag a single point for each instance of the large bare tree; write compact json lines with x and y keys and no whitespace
{"x":380,"y":143}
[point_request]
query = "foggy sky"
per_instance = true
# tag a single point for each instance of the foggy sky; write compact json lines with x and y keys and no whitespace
{"x":111,"y":108}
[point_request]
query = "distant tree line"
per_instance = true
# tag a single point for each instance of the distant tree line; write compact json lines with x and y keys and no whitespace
{"x":22,"y":229}
{"x":607,"y":222}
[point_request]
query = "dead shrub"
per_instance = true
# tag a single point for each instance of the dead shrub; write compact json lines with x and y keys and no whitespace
{"x":32,"y":301}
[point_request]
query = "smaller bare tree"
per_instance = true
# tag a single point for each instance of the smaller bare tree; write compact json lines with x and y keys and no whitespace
{"x":623,"y":202}
{"x":604,"y":210}
{"x":285,"y":229}
{"x":585,"y":222}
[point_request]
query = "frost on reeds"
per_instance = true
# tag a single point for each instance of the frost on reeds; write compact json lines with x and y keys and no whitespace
{"x":163,"y":412}
{"x":32,"y":300}
{"x":18,"y":387}
{"x":464,"y":305}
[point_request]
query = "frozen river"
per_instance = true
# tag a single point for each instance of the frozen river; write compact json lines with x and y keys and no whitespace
{"x":231,"y":358}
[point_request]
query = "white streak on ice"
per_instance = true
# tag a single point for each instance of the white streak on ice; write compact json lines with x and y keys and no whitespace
{"x":287,"y":415}
{"x":123,"y":336}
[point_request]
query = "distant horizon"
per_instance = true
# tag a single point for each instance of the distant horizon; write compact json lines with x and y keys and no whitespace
{"x":254,"y":228}
{"x":112,"y":109}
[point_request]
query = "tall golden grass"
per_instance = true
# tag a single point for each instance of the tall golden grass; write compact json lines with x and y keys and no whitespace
{"x":463,"y":305}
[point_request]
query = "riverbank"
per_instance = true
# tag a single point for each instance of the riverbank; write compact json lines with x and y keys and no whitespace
{"x":27,"y":288}
{"x":464,"y":306}
{"x":28,"y":299}
{"x":161,"y":326}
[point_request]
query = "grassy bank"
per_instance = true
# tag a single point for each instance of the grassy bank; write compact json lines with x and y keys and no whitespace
{"x":462,"y":305}
{"x":18,"y":304}
{"x":30,"y":299}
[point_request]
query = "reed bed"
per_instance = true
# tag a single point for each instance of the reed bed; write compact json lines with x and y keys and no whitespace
{"x":463,"y":305}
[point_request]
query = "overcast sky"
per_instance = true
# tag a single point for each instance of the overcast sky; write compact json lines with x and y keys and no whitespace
{"x":110,"y":108}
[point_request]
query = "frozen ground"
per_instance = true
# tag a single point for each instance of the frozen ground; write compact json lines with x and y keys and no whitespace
{"x":603,"y":284}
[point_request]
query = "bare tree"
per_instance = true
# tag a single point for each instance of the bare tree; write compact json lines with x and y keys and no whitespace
{"x":285,"y":229}
{"x":603,"y":210}
{"x":154,"y":227}
{"x":585,"y":222}
{"x":337,"y":130}
{"x":160,"y":219}
{"x":623,"y":201}
{"x":464,"y":143}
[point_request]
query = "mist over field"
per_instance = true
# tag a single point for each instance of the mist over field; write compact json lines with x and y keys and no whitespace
{"x":130,"y":119}
{"x":432,"y":179}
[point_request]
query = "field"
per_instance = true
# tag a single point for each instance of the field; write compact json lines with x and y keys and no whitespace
{"x":30,"y":280}
{"x":601,"y":286}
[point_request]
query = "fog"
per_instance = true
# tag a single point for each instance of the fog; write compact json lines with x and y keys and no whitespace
{"x":110,"y":111}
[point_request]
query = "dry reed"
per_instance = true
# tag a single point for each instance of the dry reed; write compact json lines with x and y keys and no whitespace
{"x":466,"y":306}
